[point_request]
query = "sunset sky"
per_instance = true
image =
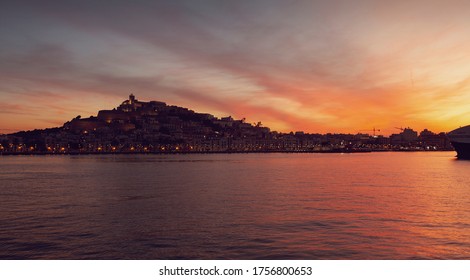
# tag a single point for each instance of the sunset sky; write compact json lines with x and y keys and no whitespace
{"x":316,"y":66}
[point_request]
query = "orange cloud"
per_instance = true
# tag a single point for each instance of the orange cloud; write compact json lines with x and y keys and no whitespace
{"x":334,"y":66}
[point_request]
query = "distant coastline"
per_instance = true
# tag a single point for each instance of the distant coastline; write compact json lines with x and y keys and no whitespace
{"x":216,"y":152}
{"x":138,"y":127}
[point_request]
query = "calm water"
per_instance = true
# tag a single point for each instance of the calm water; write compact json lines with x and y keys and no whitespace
{"x":235,"y":206}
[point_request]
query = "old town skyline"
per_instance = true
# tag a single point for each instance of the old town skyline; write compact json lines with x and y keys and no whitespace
{"x":137,"y":126}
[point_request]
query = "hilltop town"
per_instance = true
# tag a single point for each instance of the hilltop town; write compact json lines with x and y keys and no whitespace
{"x":155,"y":127}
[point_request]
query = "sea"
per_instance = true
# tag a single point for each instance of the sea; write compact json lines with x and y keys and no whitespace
{"x":380,"y":205}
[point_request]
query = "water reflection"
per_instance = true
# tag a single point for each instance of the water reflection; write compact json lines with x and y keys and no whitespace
{"x":236,"y":206}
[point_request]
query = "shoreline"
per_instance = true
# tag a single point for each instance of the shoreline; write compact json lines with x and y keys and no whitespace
{"x":209,"y":152}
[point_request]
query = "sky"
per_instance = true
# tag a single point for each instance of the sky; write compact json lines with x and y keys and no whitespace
{"x":314,"y":66}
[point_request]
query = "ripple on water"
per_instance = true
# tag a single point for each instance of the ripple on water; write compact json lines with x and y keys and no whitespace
{"x":237,"y":206}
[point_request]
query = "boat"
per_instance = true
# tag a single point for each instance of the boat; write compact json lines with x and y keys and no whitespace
{"x":460,"y":140}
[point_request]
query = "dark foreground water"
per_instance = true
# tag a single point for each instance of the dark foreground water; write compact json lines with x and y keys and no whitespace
{"x":235,"y":206}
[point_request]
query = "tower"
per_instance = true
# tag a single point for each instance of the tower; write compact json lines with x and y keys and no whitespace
{"x":131,"y":98}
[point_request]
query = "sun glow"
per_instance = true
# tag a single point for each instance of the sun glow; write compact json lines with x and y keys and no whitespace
{"x":312,"y":66}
